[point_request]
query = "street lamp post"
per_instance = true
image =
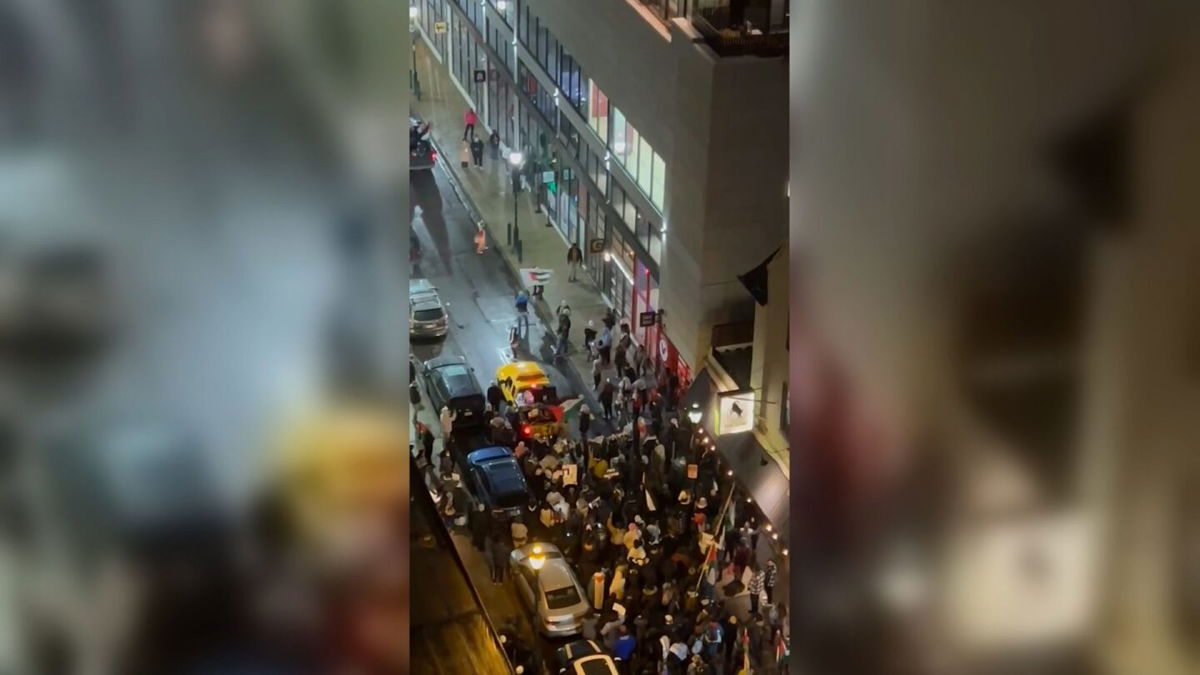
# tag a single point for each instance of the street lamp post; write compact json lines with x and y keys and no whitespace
{"x":694,"y":415}
{"x":517,"y":160}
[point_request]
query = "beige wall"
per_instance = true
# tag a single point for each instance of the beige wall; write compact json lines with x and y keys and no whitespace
{"x":769,"y":371}
{"x":1153,"y":362}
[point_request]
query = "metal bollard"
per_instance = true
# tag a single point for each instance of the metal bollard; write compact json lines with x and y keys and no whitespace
{"x":509,"y":237}
{"x":520,"y":251}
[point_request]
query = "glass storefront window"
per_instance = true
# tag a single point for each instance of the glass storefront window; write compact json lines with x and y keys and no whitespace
{"x":659,"y":183}
{"x":618,"y":144}
{"x":645,"y":165}
{"x":598,"y":112}
{"x":656,"y":246}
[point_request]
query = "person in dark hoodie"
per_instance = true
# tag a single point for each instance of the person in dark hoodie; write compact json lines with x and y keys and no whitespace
{"x":480,"y":524}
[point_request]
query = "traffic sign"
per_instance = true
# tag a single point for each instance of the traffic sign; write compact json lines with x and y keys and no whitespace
{"x":647,"y":319}
{"x":596,"y":246}
{"x":481,"y":76}
{"x":439,"y":27}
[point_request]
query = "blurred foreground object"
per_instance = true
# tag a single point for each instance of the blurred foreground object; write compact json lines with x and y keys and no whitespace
{"x":174,"y":180}
{"x":998,"y":407}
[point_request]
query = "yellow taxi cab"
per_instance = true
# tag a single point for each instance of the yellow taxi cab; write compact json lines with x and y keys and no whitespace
{"x":519,"y":377}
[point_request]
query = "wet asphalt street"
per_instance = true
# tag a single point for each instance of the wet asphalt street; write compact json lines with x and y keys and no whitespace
{"x":478,"y":292}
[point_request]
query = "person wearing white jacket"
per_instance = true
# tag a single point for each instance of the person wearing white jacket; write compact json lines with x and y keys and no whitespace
{"x":447,"y":419}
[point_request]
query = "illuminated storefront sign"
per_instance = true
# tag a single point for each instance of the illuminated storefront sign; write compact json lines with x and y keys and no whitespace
{"x":735,"y":412}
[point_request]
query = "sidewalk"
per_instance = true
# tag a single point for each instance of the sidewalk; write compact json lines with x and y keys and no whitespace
{"x":487,"y":192}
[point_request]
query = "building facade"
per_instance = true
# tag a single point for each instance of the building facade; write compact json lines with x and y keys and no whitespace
{"x":657,"y":145}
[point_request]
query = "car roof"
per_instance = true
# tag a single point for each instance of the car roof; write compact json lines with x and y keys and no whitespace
{"x":444,"y":360}
{"x":596,"y":664}
{"x":556,"y":574}
{"x":520,"y":370}
{"x":485,"y":454}
{"x":422,"y":302}
{"x":580,"y":649}
{"x":458,"y":380}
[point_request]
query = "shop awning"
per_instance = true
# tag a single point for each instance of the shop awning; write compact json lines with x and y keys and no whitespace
{"x":742,"y":453}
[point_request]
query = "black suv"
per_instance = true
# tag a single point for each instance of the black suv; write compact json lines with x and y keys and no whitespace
{"x":451,"y":383}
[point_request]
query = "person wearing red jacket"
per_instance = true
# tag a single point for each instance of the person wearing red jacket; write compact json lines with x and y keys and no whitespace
{"x":470,"y":119}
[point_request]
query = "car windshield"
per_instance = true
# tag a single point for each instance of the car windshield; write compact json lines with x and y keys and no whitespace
{"x":511,"y":500}
{"x":506,"y":485}
{"x":561,"y":598}
{"x":428,"y":314}
{"x":597,"y":667}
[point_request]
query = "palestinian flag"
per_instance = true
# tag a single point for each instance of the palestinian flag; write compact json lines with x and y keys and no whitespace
{"x":568,"y":411}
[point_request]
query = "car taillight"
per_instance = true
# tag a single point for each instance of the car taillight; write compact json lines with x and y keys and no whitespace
{"x":527,"y":430}
{"x":432,"y":155}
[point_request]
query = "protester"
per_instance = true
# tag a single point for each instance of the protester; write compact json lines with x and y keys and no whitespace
{"x":574,"y":260}
{"x":630,"y":515}
{"x":447,"y":418}
{"x":480,"y":525}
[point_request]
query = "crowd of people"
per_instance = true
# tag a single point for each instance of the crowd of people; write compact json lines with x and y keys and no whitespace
{"x":644,"y":513}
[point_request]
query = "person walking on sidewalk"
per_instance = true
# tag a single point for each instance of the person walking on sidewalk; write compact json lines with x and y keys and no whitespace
{"x":480,"y":524}
{"x":574,"y":260}
{"x":597,"y":373}
{"x":470,"y":119}
{"x":606,"y":399}
{"x":501,"y":549}
{"x":464,"y":154}
{"x":564,"y":338}
{"x":757,"y":578}
{"x":522,"y":306}
{"x":477,"y":151}
{"x":564,"y":316}
{"x":604,"y":346}
{"x":494,"y":144}
{"x":589,"y":335}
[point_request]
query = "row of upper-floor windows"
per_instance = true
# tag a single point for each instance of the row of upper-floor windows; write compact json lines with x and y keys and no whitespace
{"x":625,"y":144}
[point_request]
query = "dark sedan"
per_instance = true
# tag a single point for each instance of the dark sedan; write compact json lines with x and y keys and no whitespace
{"x":451,"y":382}
{"x":497,"y":480}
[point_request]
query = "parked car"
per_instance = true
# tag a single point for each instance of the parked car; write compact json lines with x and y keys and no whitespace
{"x":497,"y":480}
{"x":426,"y":314}
{"x":421,"y":155}
{"x":550,"y":589}
{"x":451,"y":382}
{"x":584,"y":657}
